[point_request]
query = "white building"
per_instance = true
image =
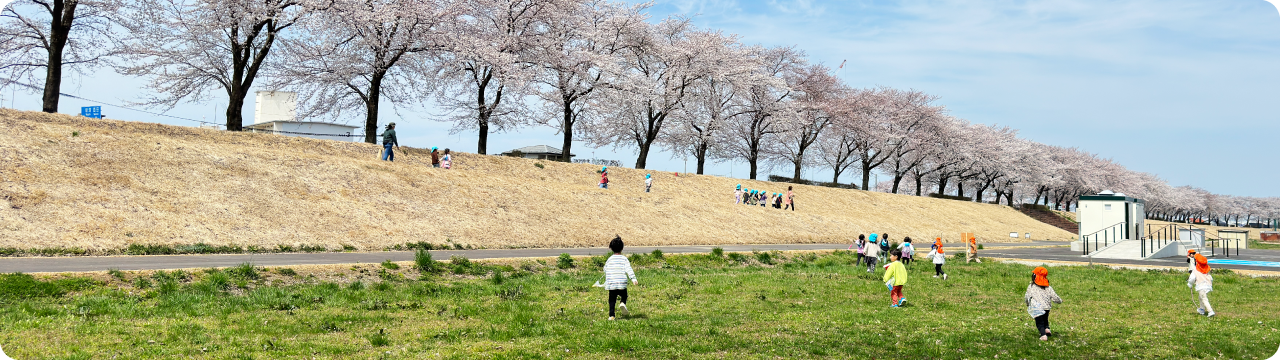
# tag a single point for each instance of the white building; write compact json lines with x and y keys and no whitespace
{"x":1111,"y":215}
{"x":276,"y":112}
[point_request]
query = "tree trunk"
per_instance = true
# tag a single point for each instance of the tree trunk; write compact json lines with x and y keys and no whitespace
{"x":62,"y":15}
{"x":960,"y":188}
{"x":796,"y":177}
{"x":752,"y":161}
{"x":371,"y":108}
{"x":644,"y":154}
{"x":897,"y":179}
{"x":235,"y":105}
{"x":484,"y":111}
{"x":701,"y":154}
{"x":567,"y":145}
{"x":919,"y":185}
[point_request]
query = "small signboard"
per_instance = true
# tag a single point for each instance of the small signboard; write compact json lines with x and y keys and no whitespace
{"x":91,"y":112}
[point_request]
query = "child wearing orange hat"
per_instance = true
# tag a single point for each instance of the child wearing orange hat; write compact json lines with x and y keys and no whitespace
{"x":938,"y":257}
{"x":1200,"y":281}
{"x":973,"y":251}
{"x":1039,"y":298}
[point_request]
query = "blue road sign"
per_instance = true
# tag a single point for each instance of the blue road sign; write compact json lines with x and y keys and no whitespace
{"x":91,"y":111}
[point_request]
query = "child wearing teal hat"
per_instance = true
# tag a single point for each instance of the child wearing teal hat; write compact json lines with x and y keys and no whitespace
{"x":648,"y":182}
{"x":737,"y":195}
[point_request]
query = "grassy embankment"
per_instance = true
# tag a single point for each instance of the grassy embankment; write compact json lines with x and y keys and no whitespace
{"x":687,"y":306}
{"x":73,"y":185}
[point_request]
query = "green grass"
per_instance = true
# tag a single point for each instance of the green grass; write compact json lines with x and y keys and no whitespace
{"x":686,"y":306}
{"x":1255,"y":244}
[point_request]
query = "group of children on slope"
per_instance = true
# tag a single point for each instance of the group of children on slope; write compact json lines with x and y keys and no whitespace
{"x":604,"y":179}
{"x":1039,"y":296}
{"x":765,"y":198}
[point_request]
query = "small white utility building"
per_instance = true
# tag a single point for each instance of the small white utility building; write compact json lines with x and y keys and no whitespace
{"x":1116,"y":214}
{"x":1112,"y":226}
{"x":276,"y":112}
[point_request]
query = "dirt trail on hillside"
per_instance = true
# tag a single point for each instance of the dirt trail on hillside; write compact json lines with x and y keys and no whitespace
{"x":118,"y":183}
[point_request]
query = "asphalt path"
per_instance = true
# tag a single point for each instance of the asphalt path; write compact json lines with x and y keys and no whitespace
{"x":1036,"y":250}
{"x":160,"y":262}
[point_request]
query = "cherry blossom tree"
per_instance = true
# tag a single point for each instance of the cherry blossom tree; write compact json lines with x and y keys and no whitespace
{"x":814,"y":93}
{"x":357,"y":53}
{"x":660,"y":68}
{"x":189,"y":47}
{"x":54,"y":36}
{"x":575,"y":57}
{"x":712,"y":101}
{"x":752,"y":136}
{"x":489,"y":68}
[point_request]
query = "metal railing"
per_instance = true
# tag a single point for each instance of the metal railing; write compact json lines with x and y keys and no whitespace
{"x":1226,"y":248}
{"x":1159,"y":236}
{"x":1107,"y":236}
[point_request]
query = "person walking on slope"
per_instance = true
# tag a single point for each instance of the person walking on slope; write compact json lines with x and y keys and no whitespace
{"x":1038,"y":298}
{"x":648,"y":182}
{"x":939,"y":258}
{"x":872,"y":252}
{"x":435,"y":157}
{"x":790,"y":200}
{"x":737,"y":195}
{"x":388,"y":140}
{"x":447,"y":160}
{"x":604,"y":177}
{"x":1200,"y":281}
{"x":777,"y":202}
{"x":895,"y":276}
{"x":617,"y":270}
{"x":973,"y":251}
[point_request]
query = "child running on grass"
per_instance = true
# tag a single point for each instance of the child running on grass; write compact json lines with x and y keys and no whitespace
{"x":895,"y":277}
{"x":616,"y":272}
{"x":872,"y":252}
{"x":938,"y":257}
{"x":861,"y":243}
{"x":1039,"y":297}
{"x":908,"y":251}
{"x":1200,"y":281}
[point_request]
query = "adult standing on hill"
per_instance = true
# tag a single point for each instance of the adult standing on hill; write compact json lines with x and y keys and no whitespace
{"x":790,"y":200}
{"x":389,"y":139}
{"x":435,"y":157}
{"x":973,"y":251}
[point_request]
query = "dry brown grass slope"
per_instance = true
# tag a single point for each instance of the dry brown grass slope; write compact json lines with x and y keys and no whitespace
{"x":119,"y":183}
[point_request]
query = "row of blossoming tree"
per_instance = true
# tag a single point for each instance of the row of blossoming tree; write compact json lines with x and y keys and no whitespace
{"x":596,"y":71}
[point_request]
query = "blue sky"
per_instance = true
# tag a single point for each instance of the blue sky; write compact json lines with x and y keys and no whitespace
{"x":1183,"y":89}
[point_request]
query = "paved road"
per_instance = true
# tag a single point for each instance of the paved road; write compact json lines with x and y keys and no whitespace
{"x":156,"y":262}
{"x":1040,"y":250}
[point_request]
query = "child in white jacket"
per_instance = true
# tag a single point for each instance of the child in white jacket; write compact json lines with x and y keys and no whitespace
{"x":939,"y":258}
{"x":1200,"y":281}
{"x":617,"y":270}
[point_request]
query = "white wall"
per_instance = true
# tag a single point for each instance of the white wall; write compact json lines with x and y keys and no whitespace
{"x":275,"y":106}
{"x":318,"y":128}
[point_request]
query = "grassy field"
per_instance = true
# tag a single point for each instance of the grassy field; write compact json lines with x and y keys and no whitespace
{"x":98,"y":186}
{"x":732,"y":306}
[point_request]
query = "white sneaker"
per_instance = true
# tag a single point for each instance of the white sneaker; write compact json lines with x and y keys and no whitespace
{"x":1201,"y":311}
{"x":623,"y":307}
{"x":1211,"y":314}
{"x":935,"y":276}
{"x":944,"y":276}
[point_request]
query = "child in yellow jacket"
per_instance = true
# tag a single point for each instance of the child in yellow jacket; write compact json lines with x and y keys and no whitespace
{"x":895,"y":277}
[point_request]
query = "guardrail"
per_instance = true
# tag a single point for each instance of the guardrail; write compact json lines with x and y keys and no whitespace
{"x":1107,"y":235}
